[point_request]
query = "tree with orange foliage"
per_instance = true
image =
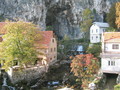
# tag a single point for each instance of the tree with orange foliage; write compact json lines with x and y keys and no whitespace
{"x":84,"y":66}
{"x":118,"y":14}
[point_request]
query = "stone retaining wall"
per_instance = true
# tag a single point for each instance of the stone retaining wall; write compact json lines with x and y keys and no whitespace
{"x":27,"y":74}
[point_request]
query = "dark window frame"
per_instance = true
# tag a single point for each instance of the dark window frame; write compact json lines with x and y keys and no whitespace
{"x":115,"y":46}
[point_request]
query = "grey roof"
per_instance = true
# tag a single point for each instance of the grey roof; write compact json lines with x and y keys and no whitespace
{"x":101,"y":24}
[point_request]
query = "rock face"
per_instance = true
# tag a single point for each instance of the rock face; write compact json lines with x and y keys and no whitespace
{"x":63,"y":15}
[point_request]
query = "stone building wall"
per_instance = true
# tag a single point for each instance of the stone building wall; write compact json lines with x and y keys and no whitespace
{"x":27,"y":74}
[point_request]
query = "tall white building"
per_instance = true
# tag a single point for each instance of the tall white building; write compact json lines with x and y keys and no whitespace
{"x":96,"y":30}
{"x":110,"y":56}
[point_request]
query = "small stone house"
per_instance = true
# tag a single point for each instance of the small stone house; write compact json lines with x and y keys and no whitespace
{"x":110,"y":56}
{"x":96,"y":30}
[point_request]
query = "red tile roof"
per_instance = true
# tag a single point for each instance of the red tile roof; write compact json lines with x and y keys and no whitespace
{"x":47,"y":36}
{"x":46,"y":39}
{"x":2,"y":30}
{"x":111,"y":36}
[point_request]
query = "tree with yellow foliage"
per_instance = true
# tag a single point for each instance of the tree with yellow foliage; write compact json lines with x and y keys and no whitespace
{"x":18,"y":43}
{"x":118,"y":14}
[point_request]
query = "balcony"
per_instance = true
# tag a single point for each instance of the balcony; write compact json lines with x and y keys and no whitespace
{"x":110,"y":55}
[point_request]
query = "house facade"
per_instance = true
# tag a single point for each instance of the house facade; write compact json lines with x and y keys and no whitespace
{"x":47,"y":46}
{"x":110,"y":56}
{"x":96,"y":30}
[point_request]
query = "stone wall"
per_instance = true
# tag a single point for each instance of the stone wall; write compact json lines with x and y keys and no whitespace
{"x":27,"y":74}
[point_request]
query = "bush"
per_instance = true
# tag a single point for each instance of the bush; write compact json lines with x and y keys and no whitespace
{"x":95,"y":49}
{"x":117,"y":87}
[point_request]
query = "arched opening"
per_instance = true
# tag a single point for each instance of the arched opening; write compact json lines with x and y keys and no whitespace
{"x":111,"y":80}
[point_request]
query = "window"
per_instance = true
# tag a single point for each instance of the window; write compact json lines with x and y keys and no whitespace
{"x":92,"y":31}
{"x":96,"y":30}
{"x":96,"y":36}
{"x":111,"y":63}
{"x":51,"y":49}
{"x":108,"y":63}
{"x":53,"y":40}
{"x":92,"y":38}
{"x":115,"y":46}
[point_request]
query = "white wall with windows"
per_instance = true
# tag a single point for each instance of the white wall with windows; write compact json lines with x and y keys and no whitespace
{"x":110,"y":65}
{"x":95,"y":34}
{"x":94,"y":29}
{"x":112,"y":47}
{"x":95,"y":38}
{"x":97,"y":30}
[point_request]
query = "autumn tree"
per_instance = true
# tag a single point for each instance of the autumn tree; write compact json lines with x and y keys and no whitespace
{"x":118,"y":14}
{"x":87,"y":19}
{"x":111,"y":16}
{"x":18,"y":43}
{"x":84,"y":67}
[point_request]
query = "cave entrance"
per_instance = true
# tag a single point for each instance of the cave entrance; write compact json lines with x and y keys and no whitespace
{"x":50,"y":19}
{"x":110,"y":81}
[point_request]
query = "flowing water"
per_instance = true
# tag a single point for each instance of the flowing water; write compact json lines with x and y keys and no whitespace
{"x":5,"y":84}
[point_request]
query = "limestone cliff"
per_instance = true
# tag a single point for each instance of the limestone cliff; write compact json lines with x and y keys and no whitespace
{"x":63,"y":15}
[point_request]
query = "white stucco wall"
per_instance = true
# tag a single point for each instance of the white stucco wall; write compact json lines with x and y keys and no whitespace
{"x":110,"y":65}
{"x":96,"y":31}
{"x":108,"y":47}
{"x":95,"y":38}
{"x":94,"y":34}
